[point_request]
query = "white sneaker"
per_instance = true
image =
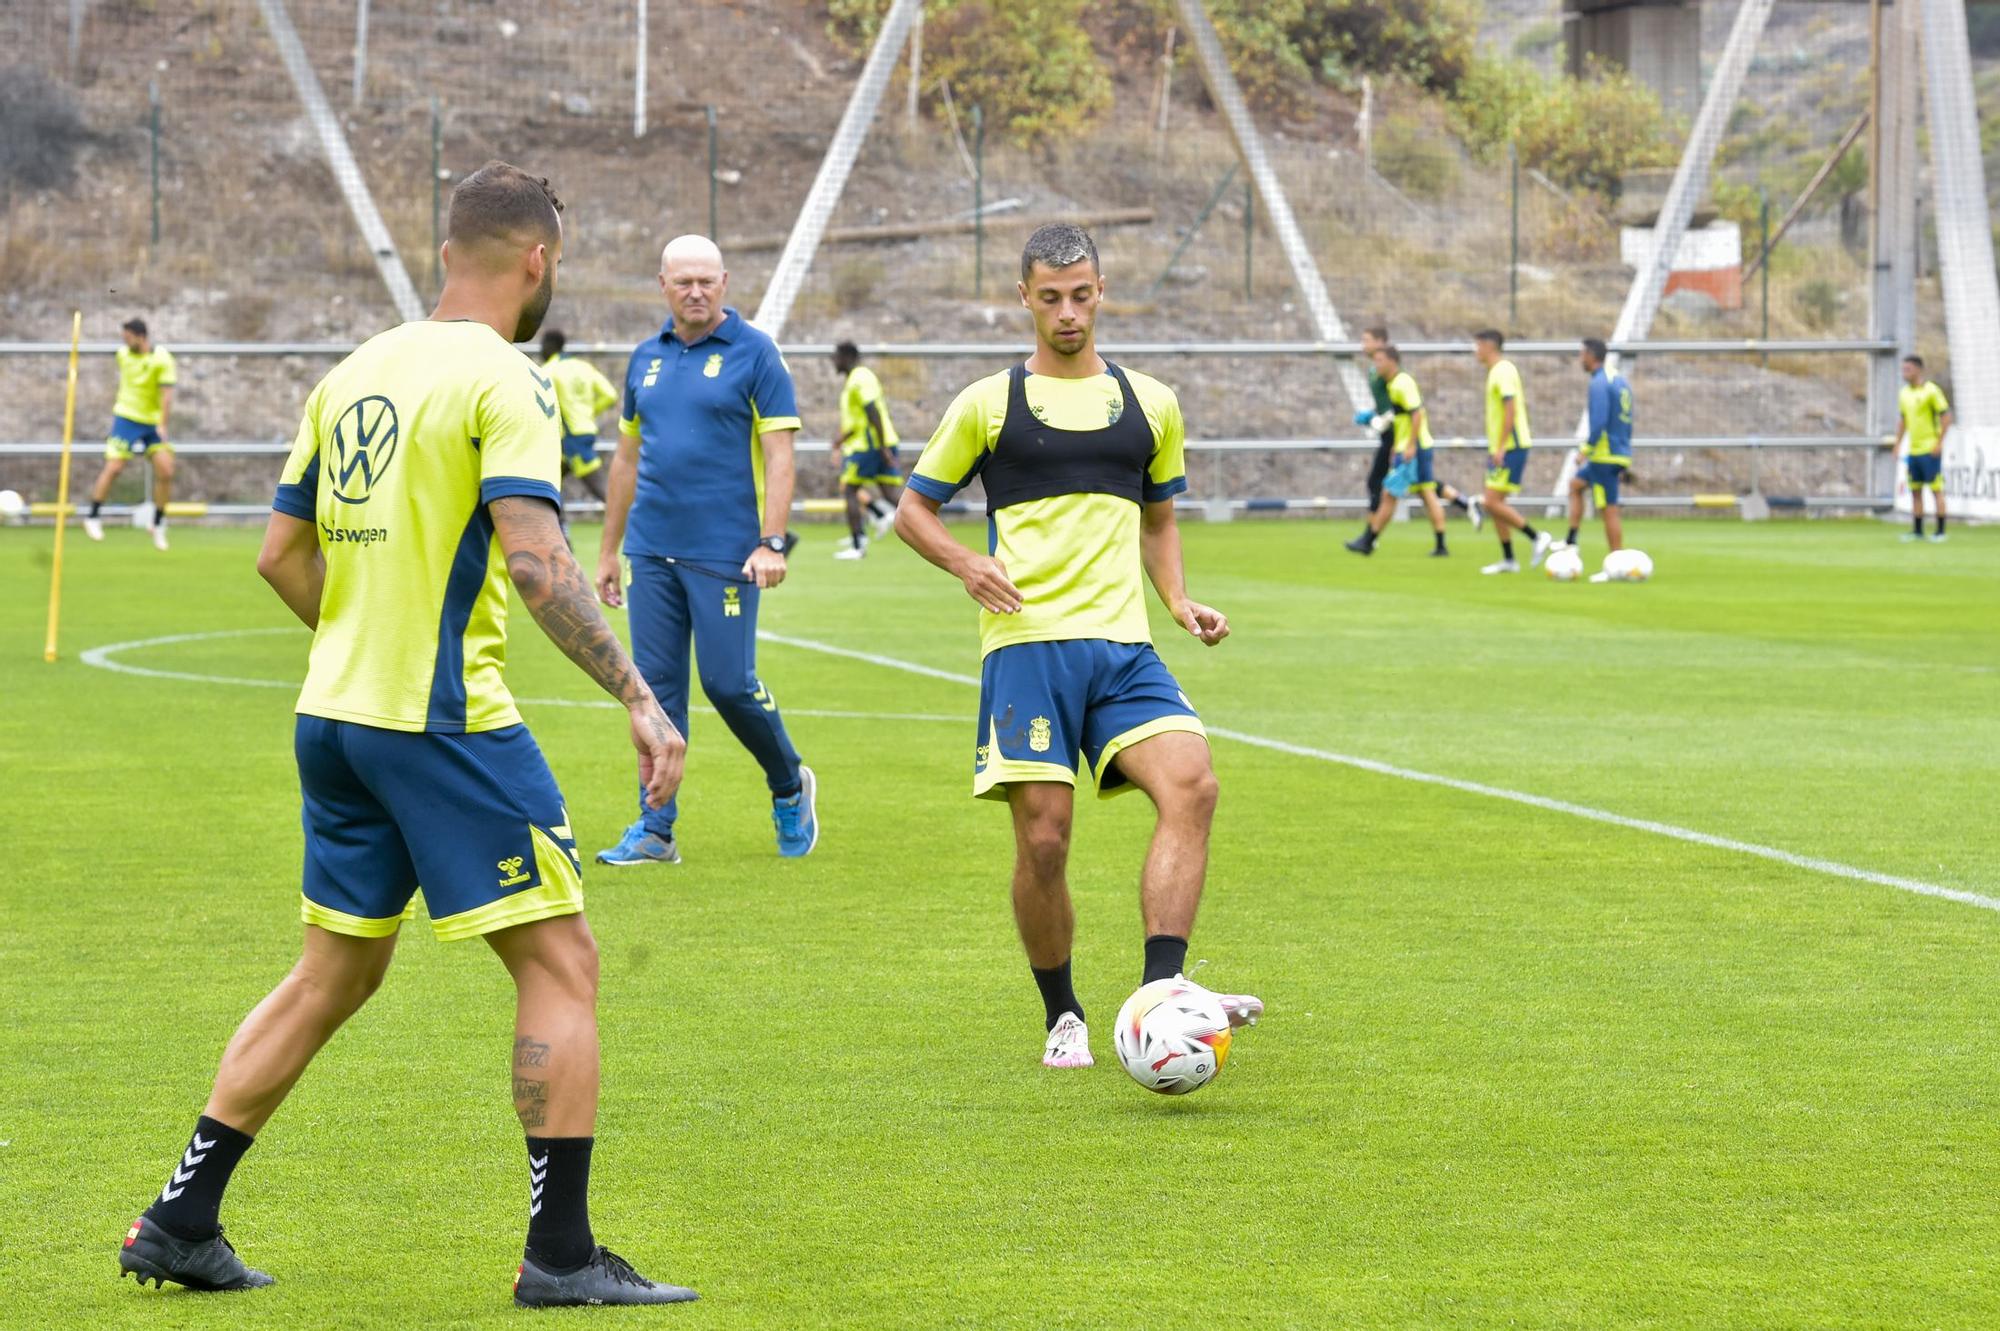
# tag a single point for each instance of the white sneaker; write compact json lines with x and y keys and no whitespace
{"x":1600,"y":576}
{"x":93,"y":528}
{"x":1544,"y":542}
{"x":1908,"y":536}
{"x":1475,"y":510}
{"x":851,"y":551}
{"x":883,"y":522}
{"x":1937,"y":536}
{"x":1069,"y":1044}
{"x":159,"y":536}
{"x":1241,"y":1009}
{"x":1503,"y":566}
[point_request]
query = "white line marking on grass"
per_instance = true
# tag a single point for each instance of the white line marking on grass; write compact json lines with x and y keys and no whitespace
{"x":1687,"y":834}
{"x":103,"y":659}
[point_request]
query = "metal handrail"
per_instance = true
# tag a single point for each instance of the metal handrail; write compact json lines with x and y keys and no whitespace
{"x":1007,"y":350}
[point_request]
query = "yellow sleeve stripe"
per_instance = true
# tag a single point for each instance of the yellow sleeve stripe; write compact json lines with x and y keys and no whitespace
{"x":630,"y":427}
{"x":773,"y":424}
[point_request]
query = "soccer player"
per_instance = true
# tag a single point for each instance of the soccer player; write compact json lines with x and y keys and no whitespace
{"x":1413,"y":445}
{"x":866,"y":450}
{"x":1606,"y":451}
{"x":1926,"y":418}
{"x":422,"y":481}
{"x":1385,"y":432}
{"x":583,"y":394}
{"x":701,"y":487}
{"x":1081,"y":460}
{"x":146,"y":379}
{"x":1508,"y":440}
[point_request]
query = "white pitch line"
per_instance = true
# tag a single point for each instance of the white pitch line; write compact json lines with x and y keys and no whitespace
{"x":1687,"y":834}
{"x":103,"y":659}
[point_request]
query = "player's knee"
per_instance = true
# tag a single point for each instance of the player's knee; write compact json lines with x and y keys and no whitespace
{"x":1192,"y":797}
{"x":730,"y":692}
{"x":1042,"y":842}
{"x":163,"y":466}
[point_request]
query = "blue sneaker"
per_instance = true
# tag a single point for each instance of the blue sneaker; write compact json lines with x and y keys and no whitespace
{"x":796,"y":819}
{"x":638,"y":846}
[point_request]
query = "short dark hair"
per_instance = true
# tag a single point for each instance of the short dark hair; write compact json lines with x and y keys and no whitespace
{"x":1392,"y":351}
{"x":502,"y":202}
{"x":138,"y":326}
{"x":1380,"y":332}
{"x":1490,"y":335}
{"x":553,"y":342}
{"x":1912,"y":359}
{"x":1058,"y":245}
{"x":846,"y":349}
{"x":1595,"y":346}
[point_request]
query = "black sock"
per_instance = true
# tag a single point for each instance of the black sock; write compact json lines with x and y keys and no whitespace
{"x":559,"y":1236}
{"x":881,"y":508}
{"x":95,"y":505}
{"x":1530,"y":532}
{"x":1940,"y":524}
{"x":1458,"y":502}
{"x":159,"y":515}
{"x":1439,"y":537}
{"x":1571,"y":538}
{"x":1058,"y":994}
{"x":1166,"y":957}
{"x":1917,"y":523}
{"x":1507,"y":549}
{"x":188,"y":1205}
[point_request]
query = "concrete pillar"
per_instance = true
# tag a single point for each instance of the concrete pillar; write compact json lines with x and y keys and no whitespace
{"x":1892,"y":232}
{"x":1659,"y":41}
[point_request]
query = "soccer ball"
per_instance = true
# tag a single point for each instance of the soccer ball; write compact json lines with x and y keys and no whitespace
{"x":1628,"y":566}
{"x":11,"y":504}
{"x":1173,"y":1036}
{"x":1564,"y":565}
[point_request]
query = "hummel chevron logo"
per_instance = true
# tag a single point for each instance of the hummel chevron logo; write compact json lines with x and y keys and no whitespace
{"x":547,"y":410}
{"x":538,"y":1170}
{"x":184,"y":1171}
{"x":545,"y":384}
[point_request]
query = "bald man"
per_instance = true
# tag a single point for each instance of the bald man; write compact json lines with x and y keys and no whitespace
{"x":701,"y":487}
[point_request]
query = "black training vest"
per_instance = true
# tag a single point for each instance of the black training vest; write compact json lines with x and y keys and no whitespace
{"x":1031,"y":460}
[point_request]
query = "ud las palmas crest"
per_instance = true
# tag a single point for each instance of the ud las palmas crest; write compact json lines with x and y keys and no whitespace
{"x":1038,"y":734}
{"x":714,"y":366}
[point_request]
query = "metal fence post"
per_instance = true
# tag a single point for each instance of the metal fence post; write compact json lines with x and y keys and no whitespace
{"x":437,"y":189}
{"x":153,"y":99}
{"x":1249,"y":230}
{"x":360,"y":50}
{"x":713,"y":226}
{"x":1513,"y":236}
{"x":639,"y":75}
{"x":978,"y":201}
{"x":1764,"y":224}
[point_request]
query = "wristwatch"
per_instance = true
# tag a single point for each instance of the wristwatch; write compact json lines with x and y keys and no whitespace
{"x":775,"y":544}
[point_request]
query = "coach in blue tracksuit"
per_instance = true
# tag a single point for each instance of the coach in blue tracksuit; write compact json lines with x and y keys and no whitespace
{"x":700,"y":490}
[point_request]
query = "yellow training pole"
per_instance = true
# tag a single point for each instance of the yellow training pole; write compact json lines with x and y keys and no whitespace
{"x":62,"y":489}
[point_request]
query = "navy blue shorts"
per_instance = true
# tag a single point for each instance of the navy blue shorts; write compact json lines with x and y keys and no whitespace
{"x":475,"y":819}
{"x":1925,"y":471}
{"x":1505,"y":470}
{"x":131,"y":439}
{"x":1426,"y":478}
{"x":580,"y":454}
{"x":1044,"y":705}
{"x":1603,"y":479}
{"x":871,"y":466}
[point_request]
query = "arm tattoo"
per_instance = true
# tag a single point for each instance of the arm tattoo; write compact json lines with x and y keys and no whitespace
{"x":561,"y":598}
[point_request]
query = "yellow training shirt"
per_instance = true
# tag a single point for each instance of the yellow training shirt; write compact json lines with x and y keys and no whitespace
{"x":141,"y":376}
{"x":861,"y":389}
{"x":581,"y":392}
{"x":1503,"y":381}
{"x":1405,"y":398}
{"x":1922,"y":408}
{"x":1073,"y":554}
{"x":402,"y":447}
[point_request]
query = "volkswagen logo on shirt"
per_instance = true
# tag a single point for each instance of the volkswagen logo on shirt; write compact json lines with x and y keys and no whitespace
{"x":364,"y":444}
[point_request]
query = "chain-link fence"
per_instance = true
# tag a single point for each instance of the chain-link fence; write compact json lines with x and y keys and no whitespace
{"x":248,"y":236}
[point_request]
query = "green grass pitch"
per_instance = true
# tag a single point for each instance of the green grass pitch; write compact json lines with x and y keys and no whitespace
{"x":1520,"y":1068}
